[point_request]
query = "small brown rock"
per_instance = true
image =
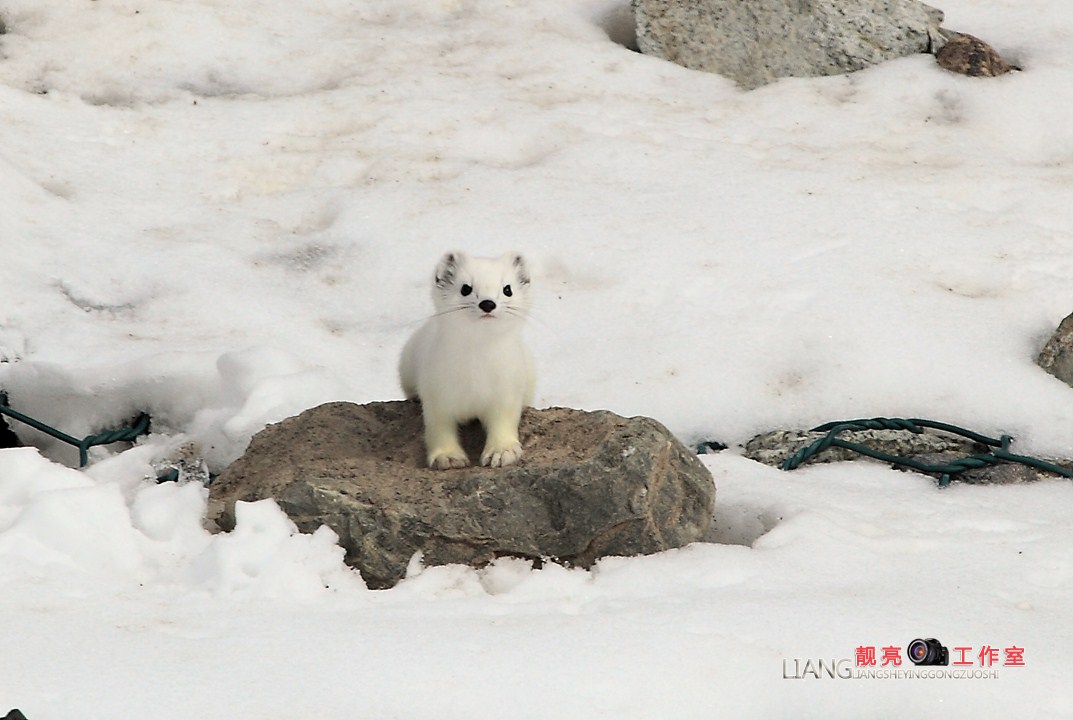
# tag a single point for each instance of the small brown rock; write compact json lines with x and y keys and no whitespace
{"x":969,"y":55}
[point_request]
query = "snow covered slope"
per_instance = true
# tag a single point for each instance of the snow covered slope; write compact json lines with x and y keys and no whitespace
{"x":225,"y":211}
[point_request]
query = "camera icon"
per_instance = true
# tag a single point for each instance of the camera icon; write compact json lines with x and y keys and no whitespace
{"x":928,"y":652}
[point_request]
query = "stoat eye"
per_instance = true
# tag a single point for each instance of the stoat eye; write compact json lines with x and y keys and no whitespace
{"x":507,"y":291}
{"x":466,"y":290}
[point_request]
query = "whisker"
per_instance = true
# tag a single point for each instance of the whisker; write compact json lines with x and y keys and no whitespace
{"x":448,"y":311}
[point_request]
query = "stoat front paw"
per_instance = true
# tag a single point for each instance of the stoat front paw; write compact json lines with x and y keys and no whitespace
{"x":501,"y":456}
{"x":448,"y":459}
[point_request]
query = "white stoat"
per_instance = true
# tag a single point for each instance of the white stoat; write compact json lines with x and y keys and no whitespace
{"x":468,"y":360}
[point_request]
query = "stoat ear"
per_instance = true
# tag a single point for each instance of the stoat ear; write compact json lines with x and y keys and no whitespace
{"x":446,"y":268}
{"x":521,"y":269}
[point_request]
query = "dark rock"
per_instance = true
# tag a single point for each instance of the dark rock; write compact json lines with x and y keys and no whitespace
{"x":1057,"y":355}
{"x":589,"y":485}
{"x":969,"y":55}
{"x":8,"y":438}
{"x":759,"y":41}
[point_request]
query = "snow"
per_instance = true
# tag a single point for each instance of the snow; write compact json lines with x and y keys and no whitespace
{"x":222,"y":213}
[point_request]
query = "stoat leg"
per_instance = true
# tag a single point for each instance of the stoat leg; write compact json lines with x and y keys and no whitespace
{"x":503,"y":446}
{"x":441,"y":440}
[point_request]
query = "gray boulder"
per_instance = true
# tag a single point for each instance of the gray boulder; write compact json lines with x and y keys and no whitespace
{"x":755,"y":42}
{"x":590,"y":484}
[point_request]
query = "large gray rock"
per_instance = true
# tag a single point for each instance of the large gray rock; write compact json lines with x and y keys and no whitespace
{"x":589,"y":485}
{"x":755,"y":42}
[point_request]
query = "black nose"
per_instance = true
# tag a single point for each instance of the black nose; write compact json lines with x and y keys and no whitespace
{"x":486,"y":305}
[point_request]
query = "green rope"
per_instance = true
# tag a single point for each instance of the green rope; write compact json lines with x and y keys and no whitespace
{"x":140,"y":427}
{"x":1000,"y":452}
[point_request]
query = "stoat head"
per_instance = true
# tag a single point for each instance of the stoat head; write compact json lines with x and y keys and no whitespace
{"x":492,"y":291}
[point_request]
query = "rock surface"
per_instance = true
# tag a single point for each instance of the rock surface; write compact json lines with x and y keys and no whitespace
{"x":774,"y":448}
{"x":1057,"y":355}
{"x":759,"y":41}
{"x":969,"y":55}
{"x":589,"y":485}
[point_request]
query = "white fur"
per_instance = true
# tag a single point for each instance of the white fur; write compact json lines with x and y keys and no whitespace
{"x":466,"y":362}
